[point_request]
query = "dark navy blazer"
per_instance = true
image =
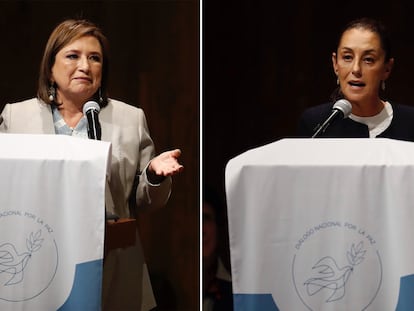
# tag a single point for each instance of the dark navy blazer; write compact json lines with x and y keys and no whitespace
{"x":401,"y":127}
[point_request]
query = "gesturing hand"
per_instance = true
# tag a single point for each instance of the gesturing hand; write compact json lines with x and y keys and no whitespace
{"x":166,"y":163}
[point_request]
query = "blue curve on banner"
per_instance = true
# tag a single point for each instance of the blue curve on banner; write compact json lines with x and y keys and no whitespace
{"x":405,"y":296}
{"x":87,"y":286}
{"x":265,"y":301}
{"x":258,"y":302}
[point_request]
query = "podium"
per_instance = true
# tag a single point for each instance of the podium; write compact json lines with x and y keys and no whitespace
{"x":52,"y":221}
{"x":322,"y":224}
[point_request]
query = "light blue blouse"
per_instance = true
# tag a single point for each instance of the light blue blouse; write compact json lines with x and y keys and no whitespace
{"x":61,"y":128}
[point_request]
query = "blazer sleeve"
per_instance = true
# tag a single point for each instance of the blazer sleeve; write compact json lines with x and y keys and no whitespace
{"x":149,"y":195}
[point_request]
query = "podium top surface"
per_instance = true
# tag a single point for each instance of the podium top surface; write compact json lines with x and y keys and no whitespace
{"x":51,"y":147}
{"x":326,"y":152}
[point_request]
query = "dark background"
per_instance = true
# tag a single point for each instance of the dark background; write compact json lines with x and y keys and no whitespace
{"x":264,"y":62}
{"x":155,"y":65}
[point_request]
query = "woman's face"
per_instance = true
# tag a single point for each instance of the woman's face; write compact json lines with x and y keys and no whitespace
{"x":77,"y":70}
{"x":359,"y":65}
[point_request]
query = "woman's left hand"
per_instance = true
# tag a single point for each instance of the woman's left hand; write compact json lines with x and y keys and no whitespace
{"x":166,"y":163}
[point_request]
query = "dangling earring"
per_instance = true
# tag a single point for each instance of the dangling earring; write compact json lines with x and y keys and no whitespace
{"x":337,"y":81}
{"x":383,"y":85}
{"x":52,"y":92}
{"x":100,"y":96}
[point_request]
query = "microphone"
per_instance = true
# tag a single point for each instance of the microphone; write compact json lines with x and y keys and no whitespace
{"x":341,"y":108}
{"x":91,"y":110}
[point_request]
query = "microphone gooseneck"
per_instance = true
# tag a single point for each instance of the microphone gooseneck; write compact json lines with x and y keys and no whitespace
{"x":341,"y":108}
{"x":91,"y":110}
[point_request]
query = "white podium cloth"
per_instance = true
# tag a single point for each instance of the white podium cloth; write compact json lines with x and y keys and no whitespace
{"x":52,"y":213}
{"x":322,"y":224}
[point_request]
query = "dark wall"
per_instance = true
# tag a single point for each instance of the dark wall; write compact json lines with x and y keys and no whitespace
{"x":264,"y":63}
{"x":154,"y":65}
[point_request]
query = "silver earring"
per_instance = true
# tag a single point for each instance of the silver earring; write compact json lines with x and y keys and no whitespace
{"x":100,"y":96}
{"x":337,"y":81}
{"x":52,"y":93}
{"x":383,"y":85}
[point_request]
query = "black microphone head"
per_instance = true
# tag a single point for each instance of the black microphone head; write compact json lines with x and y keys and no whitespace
{"x":91,"y":110}
{"x":91,"y":105}
{"x":344,"y":106}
